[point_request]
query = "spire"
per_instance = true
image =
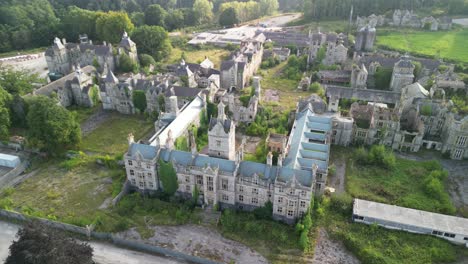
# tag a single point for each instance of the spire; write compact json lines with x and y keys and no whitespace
{"x":125,"y":35}
{"x":193,"y":142}
{"x":221,"y":114}
{"x":110,"y":77}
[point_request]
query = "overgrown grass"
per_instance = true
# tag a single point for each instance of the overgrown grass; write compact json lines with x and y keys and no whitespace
{"x":444,"y":44}
{"x":407,"y":184}
{"x":373,"y":244}
{"x":66,"y":190}
{"x":83,"y":113}
{"x":111,"y":136}
{"x":272,"y":79}
{"x":271,"y":239}
{"x":197,"y":55}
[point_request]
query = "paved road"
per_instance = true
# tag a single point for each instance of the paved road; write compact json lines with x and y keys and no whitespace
{"x":103,"y":253}
{"x":461,"y":21}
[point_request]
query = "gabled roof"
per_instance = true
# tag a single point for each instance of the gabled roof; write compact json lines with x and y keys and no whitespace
{"x":146,"y":151}
{"x":226,"y":123}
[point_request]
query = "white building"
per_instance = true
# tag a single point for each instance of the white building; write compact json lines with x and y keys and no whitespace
{"x":454,"y":229}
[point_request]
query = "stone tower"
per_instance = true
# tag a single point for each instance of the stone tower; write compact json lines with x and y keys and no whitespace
{"x":403,"y":74}
{"x":171,"y":103}
{"x":57,"y":58}
{"x":222,"y":136}
{"x":359,"y":77}
{"x":128,"y":46}
{"x":365,"y":39}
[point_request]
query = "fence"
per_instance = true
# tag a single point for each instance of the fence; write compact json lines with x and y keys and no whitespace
{"x":133,"y":245}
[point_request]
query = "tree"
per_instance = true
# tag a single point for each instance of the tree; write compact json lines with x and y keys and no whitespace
{"x":4,"y":122}
{"x":139,"y":100}
{"x":268,"y":7}
{"x":51,"y":127}
{"x":77,"y":21}
{"x":152,"y":40}
{"x":155,"y":15}
{"x":174,"y":20}
{"x":126,"y":64}
{"x":228,"y":17}
{"x":168,"y":177}
{"x":383,"y":77}
{"x":203,"y":10}
{"x":110,"y":26}
{"x":146,"y":60}
{"x":38,"y":243}
{"x":138,"y":18}
{"x":18,"y":82}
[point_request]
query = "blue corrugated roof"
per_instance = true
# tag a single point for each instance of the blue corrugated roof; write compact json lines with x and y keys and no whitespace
{"x":249,"y":168}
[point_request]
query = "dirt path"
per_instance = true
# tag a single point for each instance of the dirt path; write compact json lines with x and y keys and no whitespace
{"x":198,"y":241}
{"x":94,"y":121}
{"x":337,"y":180}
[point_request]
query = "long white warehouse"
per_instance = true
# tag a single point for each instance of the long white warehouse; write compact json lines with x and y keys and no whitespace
{"x":454,"y":229}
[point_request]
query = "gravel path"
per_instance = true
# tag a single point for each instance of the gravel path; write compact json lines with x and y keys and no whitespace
{"x":337,"y":180}
{"x":331,"y":252}
{"x":198,"y":241}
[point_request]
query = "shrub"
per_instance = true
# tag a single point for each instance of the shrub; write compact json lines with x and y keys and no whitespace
{"x":265,"y":212}
{"x":342,"y":203}
{"x":304,"y":240}
{"x":146,"y":60}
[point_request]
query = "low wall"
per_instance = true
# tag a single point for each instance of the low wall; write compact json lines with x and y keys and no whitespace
{"x":133,"y":245}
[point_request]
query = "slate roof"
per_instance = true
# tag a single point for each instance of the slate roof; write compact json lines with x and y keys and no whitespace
{"x":181,"y":91}
{"x":387,"y":62}
{"x":62,"y":82}
{"x":226,"y":124}
{"x":368,"y":95}
{"x":228,"y":64}
{"x":147,"y":152}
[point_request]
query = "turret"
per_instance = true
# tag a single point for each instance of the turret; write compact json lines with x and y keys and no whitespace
{"x":221,"y":114}
{"x":130,"y":139}
{"x":269,"y":159}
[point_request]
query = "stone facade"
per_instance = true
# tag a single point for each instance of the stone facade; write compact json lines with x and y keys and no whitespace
{"x":335,"y":53}
{"x":61,"y":57}
{"x":365,"y":39}
{"x":235,"y":73}
{"x":222,"y":136}
{"x":403,"y":74}
{"x":76,"y":88}
{"x":359,"y":76}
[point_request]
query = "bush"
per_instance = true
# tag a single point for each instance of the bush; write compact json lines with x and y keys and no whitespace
{"x":342,"y":203}
{"x":146,"y":60}
{"x":265,"y":212}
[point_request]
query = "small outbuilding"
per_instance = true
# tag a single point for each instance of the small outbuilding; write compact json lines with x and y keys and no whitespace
{"x":454,"y":229}
{"x":9,"y":161}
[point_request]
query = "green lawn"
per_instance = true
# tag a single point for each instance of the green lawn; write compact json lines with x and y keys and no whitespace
{"x":445,"y":44}
{"x":111,"y":136}
{"x":192,"y":55}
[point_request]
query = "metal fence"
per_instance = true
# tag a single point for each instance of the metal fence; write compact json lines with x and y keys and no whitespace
{"x":129,"y":244}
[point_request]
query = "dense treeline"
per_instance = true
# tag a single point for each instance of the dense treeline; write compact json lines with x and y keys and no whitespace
{"x":26,"y":24}
{"x":319,"y":9}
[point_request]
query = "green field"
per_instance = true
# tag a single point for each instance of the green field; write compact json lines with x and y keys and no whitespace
{"x":449,"y":45}
{"x":111,"y":136}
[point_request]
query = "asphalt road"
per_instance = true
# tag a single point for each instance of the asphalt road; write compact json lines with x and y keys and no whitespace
{"x":103,"y":253}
